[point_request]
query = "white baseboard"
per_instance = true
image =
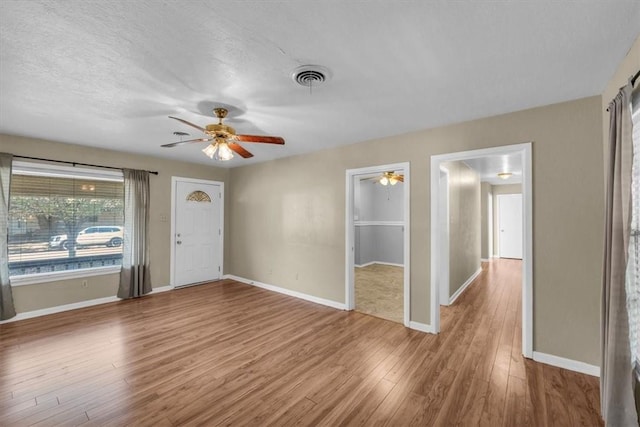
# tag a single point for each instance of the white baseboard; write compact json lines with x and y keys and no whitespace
{"x":485,"y":259}
{"x":422,"y":327}
{"x":364,"y":265}
{"x":289,"y":292}
{"x":74,"y":306}
{"x":464,"y":286}
{"x":379,"y":262}
{"x":161,"y":289}
{"x":561,"y":362}
{"x":60,"y":308}
{"x":393,"y":264}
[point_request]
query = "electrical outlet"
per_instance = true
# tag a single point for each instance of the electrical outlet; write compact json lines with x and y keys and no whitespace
{"x":84,"y":284}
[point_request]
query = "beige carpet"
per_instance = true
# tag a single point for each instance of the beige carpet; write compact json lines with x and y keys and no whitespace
{"x":379,"y":291}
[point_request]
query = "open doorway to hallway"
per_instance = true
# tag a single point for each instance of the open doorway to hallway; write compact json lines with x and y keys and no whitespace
{"x":377,"y":236}
{"x":467,"y":228}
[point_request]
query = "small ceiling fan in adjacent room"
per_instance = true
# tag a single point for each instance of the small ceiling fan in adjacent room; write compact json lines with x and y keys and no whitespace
{"x":223,"y":139}
{"x":387,"y":178}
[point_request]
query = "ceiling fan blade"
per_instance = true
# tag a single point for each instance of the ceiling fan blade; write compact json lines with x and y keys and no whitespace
{"x":241,"y":151}
{"x":400,"y":178}
{"x":188,"y":123}
{"x":189,"y":141}
{"x":262,"y":139}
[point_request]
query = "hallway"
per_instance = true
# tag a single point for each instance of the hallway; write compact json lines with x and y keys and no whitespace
{"x":506,"y":388}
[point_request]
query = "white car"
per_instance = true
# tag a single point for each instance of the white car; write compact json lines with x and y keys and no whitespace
{"x":109,"y":235}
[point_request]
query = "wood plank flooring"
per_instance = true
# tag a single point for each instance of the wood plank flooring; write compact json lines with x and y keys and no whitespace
{"x":231,"y":354}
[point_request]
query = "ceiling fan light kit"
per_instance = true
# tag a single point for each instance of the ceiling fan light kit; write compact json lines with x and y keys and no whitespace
{"x":388,"y":178}
{"x":223,"y":139}
{"x":210,"y":150}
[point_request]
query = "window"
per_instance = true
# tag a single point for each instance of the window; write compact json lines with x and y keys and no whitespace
{"x":63,"y":221}
{"x":633,"y":268}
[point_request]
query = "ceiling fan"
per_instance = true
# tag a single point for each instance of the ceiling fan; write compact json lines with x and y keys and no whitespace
{"x":387,"y":178}
{"x":223,"y":138}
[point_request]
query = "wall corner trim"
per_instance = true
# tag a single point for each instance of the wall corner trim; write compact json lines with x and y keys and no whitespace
{"x":289,"y":292}
{"x":570,"y":364}
{"x":464,"y":286}
{"x":422,"y":327}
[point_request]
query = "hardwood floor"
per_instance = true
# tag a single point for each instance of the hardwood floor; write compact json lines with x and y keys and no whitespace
{"x":231,"y":354}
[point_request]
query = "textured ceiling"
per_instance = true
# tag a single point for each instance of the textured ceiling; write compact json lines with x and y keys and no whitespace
{"x":489,"y":167}
{"x":108,"y":73}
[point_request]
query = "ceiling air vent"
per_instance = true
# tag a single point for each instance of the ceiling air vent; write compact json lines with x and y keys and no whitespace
{"x":311,"y":75}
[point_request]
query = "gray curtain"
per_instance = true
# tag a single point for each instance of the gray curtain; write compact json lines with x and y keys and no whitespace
{"x":135,"y":276}
{"x":616,"y":372}
{"x":7,"y":309}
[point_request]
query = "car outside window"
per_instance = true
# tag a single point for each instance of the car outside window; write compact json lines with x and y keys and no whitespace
{"x":63,"y":219}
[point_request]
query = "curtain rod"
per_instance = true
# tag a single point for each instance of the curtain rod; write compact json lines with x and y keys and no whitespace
{"x":632,"y":80}
{"x":76,"y":163}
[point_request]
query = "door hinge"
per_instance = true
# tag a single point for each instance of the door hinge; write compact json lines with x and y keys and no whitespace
{"x":219,"y":195}
{"x":219,"y":232}
{"x":218,"y":268}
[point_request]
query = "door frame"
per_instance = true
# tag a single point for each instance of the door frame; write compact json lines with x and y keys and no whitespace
{"x":174,"y":183}
{"x":350,"y":234}
{"x":443,"y":235}
{"x":499,"y":198}
{"x":524,"y":149}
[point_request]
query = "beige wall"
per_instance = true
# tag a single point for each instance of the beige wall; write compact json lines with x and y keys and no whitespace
{"x":287,"y":217}
{"x":486,"y":219}
{"x":464,"y":224}
{"x":45,"y":295}
{"x":495,"y":191}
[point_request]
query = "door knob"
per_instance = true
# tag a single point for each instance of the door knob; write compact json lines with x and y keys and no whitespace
{"x":179,"y":242}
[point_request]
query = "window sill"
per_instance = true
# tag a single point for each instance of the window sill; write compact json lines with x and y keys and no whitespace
{"x":32,"y":279}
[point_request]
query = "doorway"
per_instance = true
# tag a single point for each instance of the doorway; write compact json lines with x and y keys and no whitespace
{"x":523,"y":153}
{"x":377,"y":238}
{"x":510,"y":226}
{"x":197,"y":217}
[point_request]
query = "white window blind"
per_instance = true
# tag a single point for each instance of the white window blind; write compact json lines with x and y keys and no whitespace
{"x":633,"y":267}
{"x":63,"y":218}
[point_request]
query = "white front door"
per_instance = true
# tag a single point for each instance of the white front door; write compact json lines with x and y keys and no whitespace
{"x":510,"y":226}
{"x":198,"y":232}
